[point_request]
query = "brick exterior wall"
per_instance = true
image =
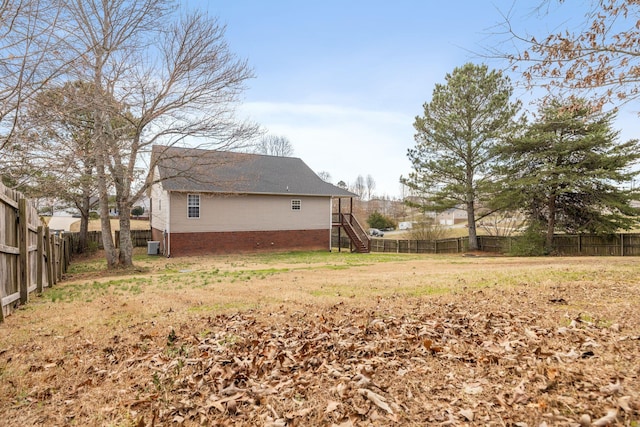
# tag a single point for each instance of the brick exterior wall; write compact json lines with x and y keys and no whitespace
{"x":183,"y":244}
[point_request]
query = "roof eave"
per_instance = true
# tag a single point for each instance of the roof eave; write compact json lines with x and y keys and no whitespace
{"x":261,"y":193}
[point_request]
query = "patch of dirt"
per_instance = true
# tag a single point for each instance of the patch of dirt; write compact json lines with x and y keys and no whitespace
{"x":538,"y":352}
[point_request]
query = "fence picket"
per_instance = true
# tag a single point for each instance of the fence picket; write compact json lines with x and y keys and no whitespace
{"x":27,"y":258}
{"x":622,"y":244}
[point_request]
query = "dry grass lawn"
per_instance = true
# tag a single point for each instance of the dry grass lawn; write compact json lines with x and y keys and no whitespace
{"x":329,"y":339}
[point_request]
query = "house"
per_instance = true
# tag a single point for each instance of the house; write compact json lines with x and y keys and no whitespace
{"x":452,"y":216}
{"x":207,"y":201}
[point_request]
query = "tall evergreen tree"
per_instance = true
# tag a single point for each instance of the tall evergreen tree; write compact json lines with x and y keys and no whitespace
{"x":568,"y":171}
{"x":454,"y":157}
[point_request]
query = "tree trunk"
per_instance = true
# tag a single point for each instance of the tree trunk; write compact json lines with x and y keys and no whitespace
{"x":84,"y":225}
{"x":551,"y":221}
{"x":126,"y":245}
{"x":110,"y":251}
{"x":85,"y":207}
{"x":471,"y":221}
{"x":471,"y":210}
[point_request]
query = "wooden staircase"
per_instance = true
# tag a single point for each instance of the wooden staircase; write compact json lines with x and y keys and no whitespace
{"x":359,"y":240}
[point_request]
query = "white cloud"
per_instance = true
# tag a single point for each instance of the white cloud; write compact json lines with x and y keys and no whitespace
{"x":344,"y":141}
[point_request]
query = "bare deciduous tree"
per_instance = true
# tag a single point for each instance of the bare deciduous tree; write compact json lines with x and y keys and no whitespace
{"x":371,"y":185}
{"x":171,"y":84}
{"x":601,"y":58}
{"x":359,"y":186}
{"x":503,"y":223}
{"x":274,"y":146}
{"x":29,"y":56}
{"x":325,"y":176}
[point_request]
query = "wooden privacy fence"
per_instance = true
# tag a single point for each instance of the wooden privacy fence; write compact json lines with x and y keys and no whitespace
{"x":94,"y":239}
{"x":621,"y":244}
{"x":139,"y":238}
{"x":31,"y":259}
{"x":403,"y":246}
{"x":444,"y":246}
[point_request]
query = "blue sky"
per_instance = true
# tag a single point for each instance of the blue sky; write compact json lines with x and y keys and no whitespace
{"x":344,"y":80}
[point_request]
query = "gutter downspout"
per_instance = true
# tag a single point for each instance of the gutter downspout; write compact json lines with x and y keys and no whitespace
{"x":330,"y":220}
{"x":168,"y":224}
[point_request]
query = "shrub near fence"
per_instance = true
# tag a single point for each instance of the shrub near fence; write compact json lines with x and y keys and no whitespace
{"x":30,"y":258}
{"x":94,"y":240}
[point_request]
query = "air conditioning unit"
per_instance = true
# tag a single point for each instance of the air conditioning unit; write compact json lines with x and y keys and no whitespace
{"x":153,"y":247}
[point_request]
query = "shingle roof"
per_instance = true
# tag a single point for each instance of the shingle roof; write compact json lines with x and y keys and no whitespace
{"x":198,"y":170}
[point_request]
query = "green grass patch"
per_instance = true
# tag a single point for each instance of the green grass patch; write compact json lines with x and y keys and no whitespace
{"x":326,"y":257}
{"x":87,"y":266}
{"x":89,"y":291}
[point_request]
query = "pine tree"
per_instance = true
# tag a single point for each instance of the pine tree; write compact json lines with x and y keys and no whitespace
{"x":454,"y":157}
{"x":568,"y":171}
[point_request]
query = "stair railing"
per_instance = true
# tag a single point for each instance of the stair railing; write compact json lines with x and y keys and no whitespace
{"x":349,"y":221}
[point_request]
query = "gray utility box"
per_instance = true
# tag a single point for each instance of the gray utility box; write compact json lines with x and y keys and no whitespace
{"x":153,"y":247}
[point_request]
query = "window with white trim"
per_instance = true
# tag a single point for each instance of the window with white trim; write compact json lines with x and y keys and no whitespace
{"x":193,"y":206}
{"x":296,"y":204}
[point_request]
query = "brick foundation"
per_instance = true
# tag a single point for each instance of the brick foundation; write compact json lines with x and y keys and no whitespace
{"x":183,"y":244}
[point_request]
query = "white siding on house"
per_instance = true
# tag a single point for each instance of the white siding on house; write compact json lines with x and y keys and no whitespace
{"x":220,"y":213}
{"x":159,"y":206}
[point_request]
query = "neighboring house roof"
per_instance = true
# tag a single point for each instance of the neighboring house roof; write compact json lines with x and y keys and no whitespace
{"x":198,"y":170}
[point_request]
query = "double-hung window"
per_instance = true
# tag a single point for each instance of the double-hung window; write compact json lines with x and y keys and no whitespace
{"x":296,"y":204}
{"x":193,"y":206}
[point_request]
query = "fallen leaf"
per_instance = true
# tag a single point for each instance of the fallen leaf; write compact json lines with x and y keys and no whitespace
{"x":467,"y":414}
{"x":530,"y":334}
{"x":473,"y":388}
{"x":611,"y":416}
{"x":520,"y":394}
{"x":623,"y":403}
{"x":300,"y":413}
{"x":612,"y":389}
{"x":376,"y":399}
{"x":585,"y":421}
{"x":332,"y":405}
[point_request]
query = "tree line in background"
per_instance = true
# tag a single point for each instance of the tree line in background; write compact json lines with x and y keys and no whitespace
{"x":563,"y":166}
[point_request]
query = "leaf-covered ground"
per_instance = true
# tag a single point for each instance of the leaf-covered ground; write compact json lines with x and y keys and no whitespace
{"x":349,"y":345}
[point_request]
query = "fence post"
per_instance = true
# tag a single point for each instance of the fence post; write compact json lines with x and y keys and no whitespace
{"x":39,"y":261}
{"x":579,"y":243}
{"x":58,"y":257}
{"x":23,"y":230}
{"x":50,"y":260}
{"x":67,"y":254}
